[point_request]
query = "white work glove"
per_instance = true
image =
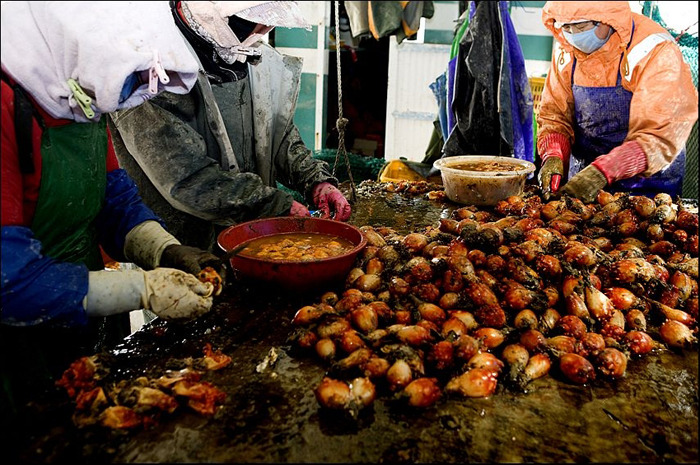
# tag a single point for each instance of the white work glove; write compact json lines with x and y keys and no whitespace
{"x":169,"y":293}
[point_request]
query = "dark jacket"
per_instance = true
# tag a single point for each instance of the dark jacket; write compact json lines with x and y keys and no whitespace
{"x":212,"y":158}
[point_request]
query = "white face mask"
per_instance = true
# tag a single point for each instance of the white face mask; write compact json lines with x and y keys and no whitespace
{"x":587,"y":41}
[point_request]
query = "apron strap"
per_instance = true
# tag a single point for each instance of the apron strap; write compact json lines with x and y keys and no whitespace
{"x":24,"y":113}
{"x":624,"y":57}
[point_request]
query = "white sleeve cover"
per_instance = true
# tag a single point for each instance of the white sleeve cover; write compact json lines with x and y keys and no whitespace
{"x":145,"y":243}
{"x":171,"y":294}
{"x":113,"y":292}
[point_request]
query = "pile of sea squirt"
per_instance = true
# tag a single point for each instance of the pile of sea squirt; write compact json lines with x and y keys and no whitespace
{"x":505,"y":296}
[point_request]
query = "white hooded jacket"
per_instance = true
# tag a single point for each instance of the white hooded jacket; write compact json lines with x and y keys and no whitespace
{"x":98,"y":45}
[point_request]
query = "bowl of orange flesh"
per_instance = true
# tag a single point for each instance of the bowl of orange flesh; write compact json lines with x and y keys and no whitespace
{"x":296,"y":253}
{"x":483,"y":180}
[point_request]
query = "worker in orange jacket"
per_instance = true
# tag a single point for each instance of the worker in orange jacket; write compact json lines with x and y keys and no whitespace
{"x":618,"y":103}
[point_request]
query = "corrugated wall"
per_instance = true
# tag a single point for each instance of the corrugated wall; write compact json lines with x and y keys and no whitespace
{"x":411,"y":105}
{"x":413,"y":66}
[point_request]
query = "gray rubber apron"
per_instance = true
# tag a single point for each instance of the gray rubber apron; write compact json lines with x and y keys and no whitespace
{"x":601,"y":123}
{"x":73,"y":180}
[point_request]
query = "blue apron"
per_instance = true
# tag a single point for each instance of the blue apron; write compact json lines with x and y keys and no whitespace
{"x":601,"y":123}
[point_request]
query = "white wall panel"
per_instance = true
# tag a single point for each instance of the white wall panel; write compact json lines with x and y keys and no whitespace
{"x":411,"y":105}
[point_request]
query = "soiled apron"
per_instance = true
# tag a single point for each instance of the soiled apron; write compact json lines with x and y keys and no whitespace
{"x":72,"y":191}
{"x":601,"y":123}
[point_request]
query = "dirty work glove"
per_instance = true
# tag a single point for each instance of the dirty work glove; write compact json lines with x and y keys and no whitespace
{"x":171,"y":294}
{"x":551,"y":166}
{"x":298,"y":209}
{"x":586,"y":184}
{"x":557,"y":148}
{"x":328,"y":198}
{"x":189,"y":259}
{"x":146,"y":244}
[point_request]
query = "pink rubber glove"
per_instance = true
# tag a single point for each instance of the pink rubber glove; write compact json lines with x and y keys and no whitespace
{"x":298,"y":209}
{"x":328,"y":198}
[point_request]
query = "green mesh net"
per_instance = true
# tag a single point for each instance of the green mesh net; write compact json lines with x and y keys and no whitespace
{"x":361,"y":166}
{"x":297,"y":196}
{"x":689,"y":48}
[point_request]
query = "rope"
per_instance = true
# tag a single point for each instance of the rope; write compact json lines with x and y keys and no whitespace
{"x":680,"y":34}
{"x":341,"y":123}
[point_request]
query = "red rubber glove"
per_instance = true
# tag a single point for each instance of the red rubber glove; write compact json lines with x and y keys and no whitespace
{"x":622,"y":162}
{"x":328,"y":198}
{"x":298,"y":209}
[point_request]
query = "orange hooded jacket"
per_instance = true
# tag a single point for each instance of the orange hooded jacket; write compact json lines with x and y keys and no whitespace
{"x":664,"y":104}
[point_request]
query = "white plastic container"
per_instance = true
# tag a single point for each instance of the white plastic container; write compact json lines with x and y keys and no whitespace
{"x":466,"y":183}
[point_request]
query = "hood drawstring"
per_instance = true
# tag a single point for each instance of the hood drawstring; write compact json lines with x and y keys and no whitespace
{"x":156,"y":73}
{"x":83,"y":100}
{"x":624,"y":65}
{"x":560,"y":60}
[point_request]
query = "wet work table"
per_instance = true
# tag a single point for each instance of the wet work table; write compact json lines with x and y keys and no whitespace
{"x":271,"y":414}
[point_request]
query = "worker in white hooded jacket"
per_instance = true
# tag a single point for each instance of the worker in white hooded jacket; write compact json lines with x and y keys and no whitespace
{"x":65,"y":65}
{"x":212,"y":158}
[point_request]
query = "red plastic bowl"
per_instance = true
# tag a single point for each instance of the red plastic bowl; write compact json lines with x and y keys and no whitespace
{"x":291,"y":274}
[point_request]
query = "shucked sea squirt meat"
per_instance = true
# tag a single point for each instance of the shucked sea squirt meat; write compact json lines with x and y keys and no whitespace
{"x":143,"y":401}
{"x":485,"y":166}
{"x":296,"y":246}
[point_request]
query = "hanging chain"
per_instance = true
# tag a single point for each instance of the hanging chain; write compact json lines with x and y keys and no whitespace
{"x":341,"y":123}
